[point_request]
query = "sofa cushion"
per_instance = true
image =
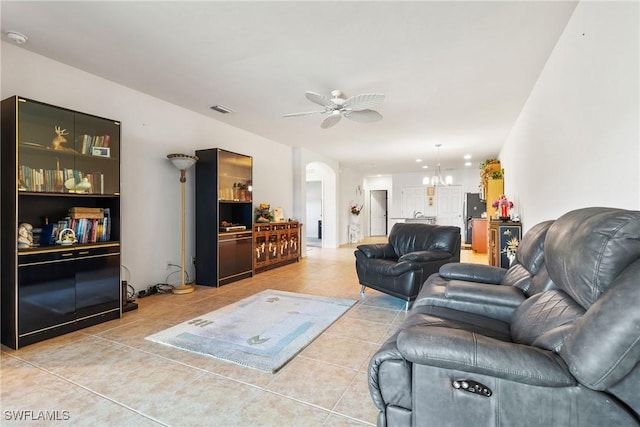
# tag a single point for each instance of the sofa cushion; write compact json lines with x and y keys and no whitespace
{"x":586,"y":249}
{"x":410,"y":237}
{"x":542,"y":319}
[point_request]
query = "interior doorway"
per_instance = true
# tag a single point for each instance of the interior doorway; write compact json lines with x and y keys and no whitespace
{"x":378,"y":219}
{"x":325,"y":200}
{"x":314,"y":214}
{"x":450,"y":205}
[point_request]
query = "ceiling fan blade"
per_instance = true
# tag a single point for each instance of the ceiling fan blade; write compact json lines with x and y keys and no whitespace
{"x":364,"y":116}
{"x":319,"y":99}
{"x":363,"y":101}
{"x":303,"y":113}
{"x":331,"y":120}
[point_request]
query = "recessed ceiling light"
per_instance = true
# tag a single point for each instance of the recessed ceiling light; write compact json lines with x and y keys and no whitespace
{"x":467,"y":156}
{"x":16,"y":37}
{"x":418,"y":160}
{"x":425,"y":167}
{"x":221,"y":109}
{"x":467,"y":164}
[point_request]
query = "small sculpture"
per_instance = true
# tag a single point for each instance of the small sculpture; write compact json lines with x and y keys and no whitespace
{"x":66,"y":237}
{"x":25,"y":235}
{"x":80,"y":187}
{"x":60,"y":139}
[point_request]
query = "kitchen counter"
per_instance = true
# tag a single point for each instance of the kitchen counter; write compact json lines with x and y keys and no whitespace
{"x":423,"y":220}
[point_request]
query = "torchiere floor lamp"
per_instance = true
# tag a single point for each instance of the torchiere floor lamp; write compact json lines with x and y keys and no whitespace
{"x":182,"y":162}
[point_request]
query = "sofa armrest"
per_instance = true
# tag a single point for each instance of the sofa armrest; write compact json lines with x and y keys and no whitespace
{"x":483,"y":293}
{"x":390,"y":377}
{"x":378,"y":250}
{"x":473,"y":272}
{"x":469,"y":352}
{"x":425,"y":256}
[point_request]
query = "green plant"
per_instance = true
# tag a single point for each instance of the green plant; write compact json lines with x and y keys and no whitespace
{"x":488,"y":162}
{"x":498,"y":174}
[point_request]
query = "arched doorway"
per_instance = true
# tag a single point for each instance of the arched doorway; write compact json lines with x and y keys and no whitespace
{"x":321,"y":202}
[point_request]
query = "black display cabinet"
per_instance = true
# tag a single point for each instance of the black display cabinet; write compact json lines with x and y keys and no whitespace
{"x":60,"y":220}
{"x":224,"y":217}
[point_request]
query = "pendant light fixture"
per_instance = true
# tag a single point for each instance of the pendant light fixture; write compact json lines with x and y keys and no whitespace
{"x":437,"y":179}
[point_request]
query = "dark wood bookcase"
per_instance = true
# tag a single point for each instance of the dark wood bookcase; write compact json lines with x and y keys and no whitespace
{"x":224,"y":217}
{"x":60,"y":169}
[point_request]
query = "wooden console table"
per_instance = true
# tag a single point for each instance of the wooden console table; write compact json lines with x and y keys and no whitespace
{"x":275,"y":244}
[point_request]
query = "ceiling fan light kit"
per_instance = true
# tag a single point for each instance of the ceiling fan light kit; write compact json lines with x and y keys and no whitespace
{"x":356,"y":108}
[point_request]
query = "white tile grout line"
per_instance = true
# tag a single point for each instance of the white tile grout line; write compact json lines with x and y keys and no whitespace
{"x":88,"y":389}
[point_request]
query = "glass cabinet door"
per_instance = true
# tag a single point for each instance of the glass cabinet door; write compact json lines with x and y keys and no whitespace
{"x":62,"y":151}
{"x":234,"y":177}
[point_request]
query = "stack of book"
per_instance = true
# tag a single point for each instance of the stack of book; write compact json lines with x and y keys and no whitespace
{"x":90,"y":225}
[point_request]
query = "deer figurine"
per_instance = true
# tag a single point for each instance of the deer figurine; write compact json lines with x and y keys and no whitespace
{"x":60,"y":139}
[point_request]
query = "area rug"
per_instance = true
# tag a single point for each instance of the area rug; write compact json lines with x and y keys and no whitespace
{"x":263,"y":331}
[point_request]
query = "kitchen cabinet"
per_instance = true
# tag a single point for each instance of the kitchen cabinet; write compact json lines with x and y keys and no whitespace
{"x":479,"y":231}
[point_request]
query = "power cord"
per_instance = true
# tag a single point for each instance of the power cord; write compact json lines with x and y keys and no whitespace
{"x":164,"y":288}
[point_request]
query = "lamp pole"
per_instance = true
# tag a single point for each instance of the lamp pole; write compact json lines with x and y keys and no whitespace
{"x":182,"y":162}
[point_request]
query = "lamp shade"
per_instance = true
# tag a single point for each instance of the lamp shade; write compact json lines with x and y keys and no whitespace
{"x":182,"y":161}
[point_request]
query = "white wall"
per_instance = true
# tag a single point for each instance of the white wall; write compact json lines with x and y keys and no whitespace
{"x":151,"y":129}
{"x":576,"y":142}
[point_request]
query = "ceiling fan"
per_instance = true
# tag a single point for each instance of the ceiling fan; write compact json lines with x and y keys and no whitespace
{"x":356,"y":108}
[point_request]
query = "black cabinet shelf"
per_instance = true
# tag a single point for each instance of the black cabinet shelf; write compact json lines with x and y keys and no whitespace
{"x":60,"y":169}
{"x":55,"y":194}
{"x":223,"y":197}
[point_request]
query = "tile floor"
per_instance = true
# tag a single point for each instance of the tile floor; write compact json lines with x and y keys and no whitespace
{"x":109,"y":375}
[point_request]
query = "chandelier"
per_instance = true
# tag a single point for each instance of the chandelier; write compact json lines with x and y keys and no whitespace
{"x":437,"y":179}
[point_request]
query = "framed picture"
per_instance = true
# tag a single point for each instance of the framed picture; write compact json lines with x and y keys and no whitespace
{"x":278,"y":215}
{"x":101,"y":151}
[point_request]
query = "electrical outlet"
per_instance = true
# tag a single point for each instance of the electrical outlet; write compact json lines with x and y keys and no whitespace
{"x":193,"y":260}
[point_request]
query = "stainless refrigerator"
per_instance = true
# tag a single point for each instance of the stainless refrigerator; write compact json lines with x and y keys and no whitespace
{"x":474,"y":207}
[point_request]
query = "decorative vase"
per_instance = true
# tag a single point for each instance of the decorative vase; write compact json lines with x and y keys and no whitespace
{"x":504,"y":211}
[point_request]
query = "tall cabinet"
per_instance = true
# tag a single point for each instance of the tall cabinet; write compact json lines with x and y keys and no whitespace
{"x":224,"y":217}
{"x":60,"y":221}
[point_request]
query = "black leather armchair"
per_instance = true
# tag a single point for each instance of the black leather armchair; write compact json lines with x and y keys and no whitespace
{"x":414,"y":251}
{"x":567,"y":356}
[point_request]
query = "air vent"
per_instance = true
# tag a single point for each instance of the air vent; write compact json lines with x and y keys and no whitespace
{"x":221,"y":109}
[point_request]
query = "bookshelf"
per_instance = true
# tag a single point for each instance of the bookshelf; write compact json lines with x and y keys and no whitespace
{"x":60,"y":221}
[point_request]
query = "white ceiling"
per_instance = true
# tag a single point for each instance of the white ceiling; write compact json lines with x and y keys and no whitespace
{"x":454,"y":73}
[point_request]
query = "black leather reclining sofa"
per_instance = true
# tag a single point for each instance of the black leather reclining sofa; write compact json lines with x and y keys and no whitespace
{"x":553,"y":341}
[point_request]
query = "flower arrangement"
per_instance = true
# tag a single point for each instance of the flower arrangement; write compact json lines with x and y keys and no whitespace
{"x":503,"y":205}
{"x":263,"y":213}
{"x":355,"y":209}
